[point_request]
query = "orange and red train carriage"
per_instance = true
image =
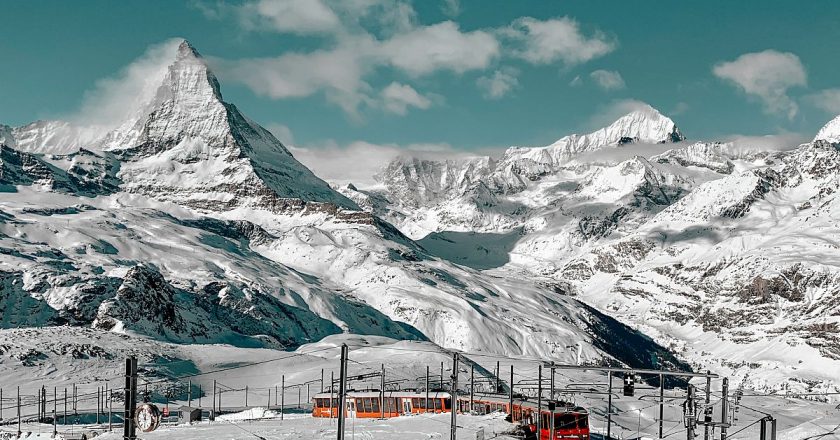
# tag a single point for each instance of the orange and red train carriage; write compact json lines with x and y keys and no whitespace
{"x":565,"y":420}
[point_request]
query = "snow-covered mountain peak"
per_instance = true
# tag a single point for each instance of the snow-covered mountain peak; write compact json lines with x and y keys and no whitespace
{"x":830,"y":132}
{"x":645,"y":124}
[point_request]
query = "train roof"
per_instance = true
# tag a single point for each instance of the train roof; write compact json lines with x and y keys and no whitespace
{"x":560,"y":405}
{"x":375,"y":393}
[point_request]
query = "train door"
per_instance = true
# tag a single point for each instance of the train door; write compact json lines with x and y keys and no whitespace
{"x":351,"y":408}
{"x":406,"y":406}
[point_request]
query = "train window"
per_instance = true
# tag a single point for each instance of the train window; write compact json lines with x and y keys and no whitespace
{"x":447,"y":404}
{"x":544,"y":421}
{"x":565,"y":421}
{"x":583,"y":421}
{"x":365,"y":406}
{"x":375,"y":404}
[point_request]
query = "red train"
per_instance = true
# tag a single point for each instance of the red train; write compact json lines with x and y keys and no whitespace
{"x":565,"y":420}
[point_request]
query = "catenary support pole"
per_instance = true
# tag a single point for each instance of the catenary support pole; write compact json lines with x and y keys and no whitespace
{"x":342,"y":392}
{"x":724,"y":408}
{"x":498,"y":378}
{"x":18,"y":413}
{"x":609,"y":403}
{"x":661,"y":403}
{"x":282,"y":395}
{"x":110,"y":410}
{"x":707,"y":411}
{"x":441,"y":377}
{"x":213,"y":413}
{"x":472,"y":386}
{"x":382,"y":393}
{"x":453,"y":398}
{"x":246,"y":396}
{"x":539,"y":402}
{"x":189,"y":393}
{"x":332,"y":390}
{"x":426,"y":405}
{"x":510,"y":407}
{"x":65,"y":406}
{"x":552,"y":383}
{"x":129,"y":429}
{"x":322,"y":380}
{"x":690,"y":413}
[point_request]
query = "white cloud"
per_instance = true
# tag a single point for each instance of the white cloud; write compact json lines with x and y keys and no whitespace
{"x":772,"y":142}
{"x":282,"y":132}
{"x":441,"y":46}
{"x":767,"y":76}
{"x":560,"y":39}
{"x":329,"y":161}
{"x":577,"y":81}
{"x":607,"y":79}
{"x":338,"y":73}
{"x":828,"y":100}
{"x":396,"y":98}
{"x":341,"y":67}
{"x":114,"y":100}
{"x":293,"y":16}
{"x":499,"y":84}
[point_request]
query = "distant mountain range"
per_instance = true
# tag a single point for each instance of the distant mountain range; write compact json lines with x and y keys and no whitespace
{"x":188,"y":222}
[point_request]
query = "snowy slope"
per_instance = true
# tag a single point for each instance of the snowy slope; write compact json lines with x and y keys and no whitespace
{"x":189,"y":223}
{"x":725,"y":253}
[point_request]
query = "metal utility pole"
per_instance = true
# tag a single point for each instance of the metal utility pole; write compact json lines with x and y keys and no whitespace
{"x":662,"y":403}
{"x":707,"y":411}
{"x":299,"y":388}
{"x":332,"y":382}
{"x":65,"y":406}
{"x":552,"y":383}
{"x":18,"y":412}
{"x":129,"y":428}
{"x":724,"y":408}
{"x":246,"y":396}
{"x":342,"y":392}
{"x":690,"y":413}
{"x":498,"y":379}
{"x":426,"y":406}
{"x":189,"y":393}
{"x":539,"y":401}
{"x":110,"y":411}
{"x":322,"y":380}
{"x":441,"y":377}
{"x":282,"y":394}
{"x":472,"y":385}
{"x":453,"y":398}
{"x":511,"y":393}
{"x":382,"y":393}
{"x":609,"y":403}
{"x":213,"y":413}
{"x":199,"y":395}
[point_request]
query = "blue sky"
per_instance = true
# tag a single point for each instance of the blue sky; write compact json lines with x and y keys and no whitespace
{"x":460,"y":75}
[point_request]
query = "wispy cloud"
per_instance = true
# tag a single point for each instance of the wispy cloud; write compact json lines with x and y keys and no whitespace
{"x":329,"y":160}
{"x":499,"y":83}
{"x":828,"y":100}
{"x":607,"y":79}
{"x":397,"y":98}
{"x":767,"y":76}
{"x":115,"y":99}
{"x":359,"y":38}
{"x":559,"y":39}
